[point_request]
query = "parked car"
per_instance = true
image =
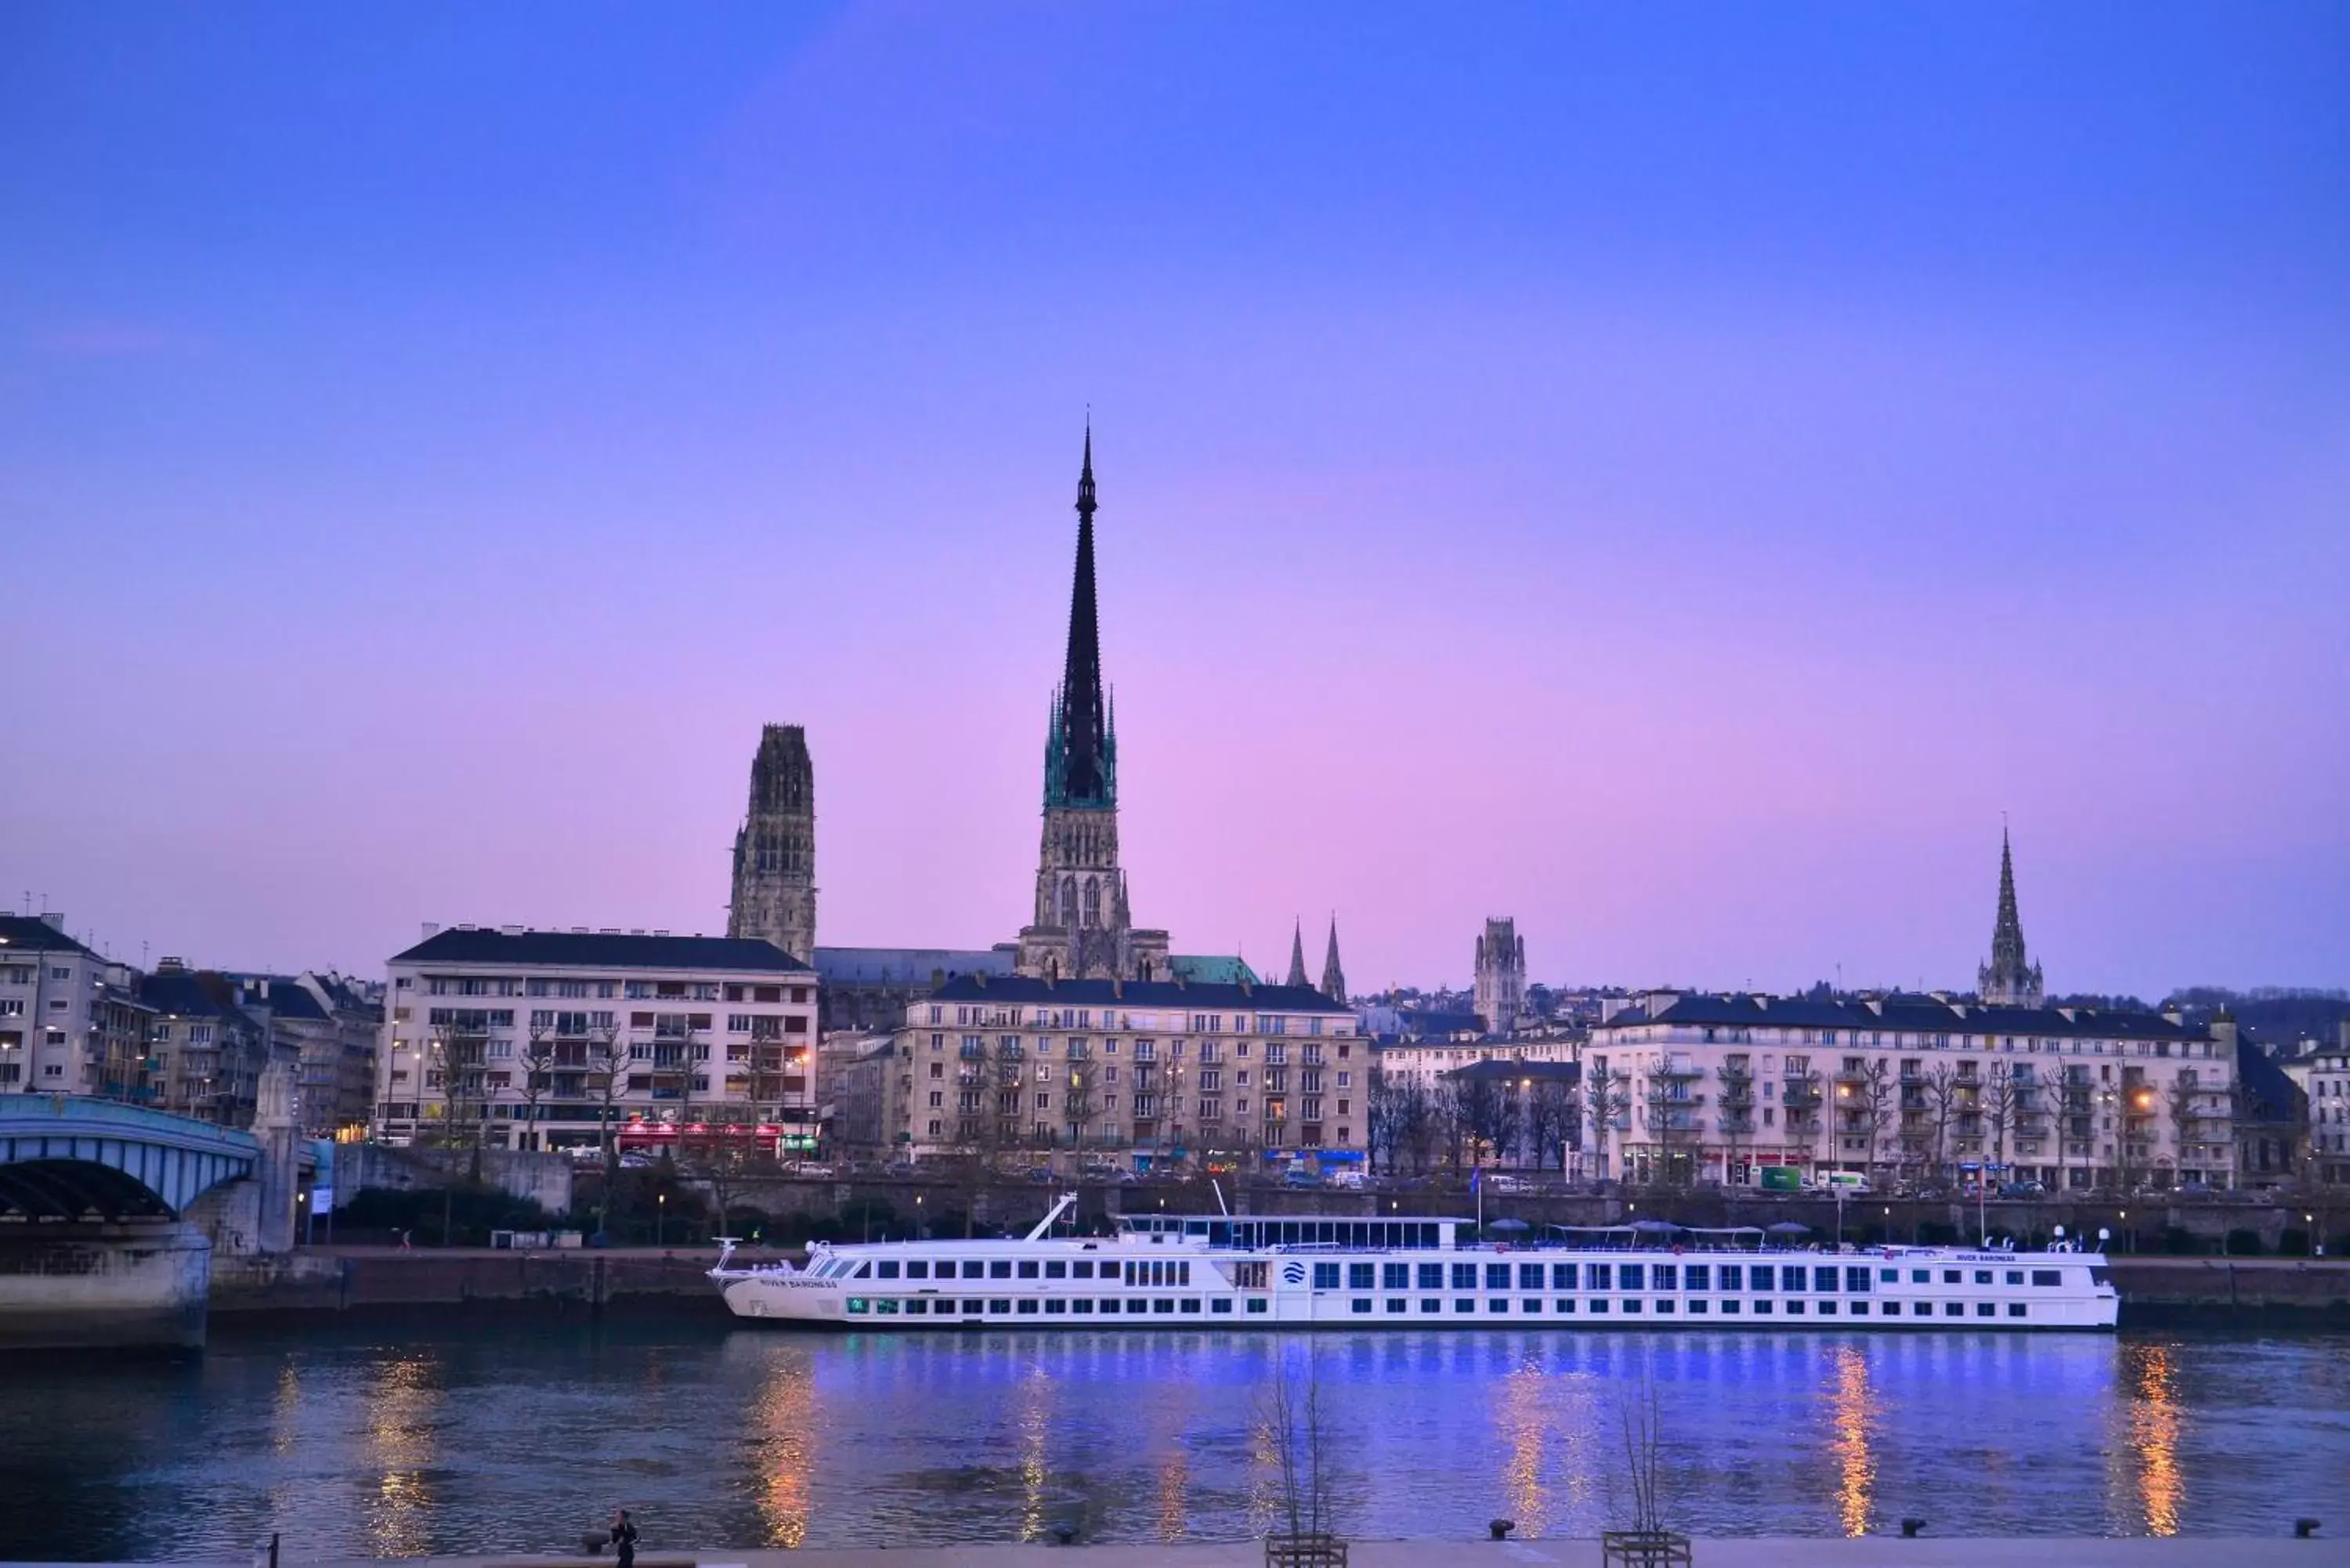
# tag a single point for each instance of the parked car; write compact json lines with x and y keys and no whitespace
{"x":2021,"y":1189}
{"x":1350,"y":1180}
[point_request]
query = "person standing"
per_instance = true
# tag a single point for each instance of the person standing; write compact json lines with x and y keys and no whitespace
{"x":624,"y":1537}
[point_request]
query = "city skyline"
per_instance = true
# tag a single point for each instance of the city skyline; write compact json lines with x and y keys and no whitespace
{"x":1543,"y":474}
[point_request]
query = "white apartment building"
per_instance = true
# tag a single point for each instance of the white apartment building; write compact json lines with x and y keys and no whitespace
{"x":2325,"y":1076}
{"x":1713,"y":1087}
{"x":1419,"y":1064}
{"x":541,"y":1039}
{"x":1154,"y":1069}
{"x":70,"y":1022}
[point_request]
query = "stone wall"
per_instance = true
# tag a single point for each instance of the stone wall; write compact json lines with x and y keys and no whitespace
{"x":136,"y":1284}
{"x":528,"y":1173}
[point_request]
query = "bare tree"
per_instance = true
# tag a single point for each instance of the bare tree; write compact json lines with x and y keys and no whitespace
{"x":1941,"y":1100}
{"x":1642,"y":1417}
{"x":1552,"y":1117}
{"x":1486,"y":1115}
{"x":1875,"y":1107}
{"x":607,"y":1075}
{"x":1448,"y":1108}
{"x":1383,"y":1133}
{"x":1079,"y":1103}
{"x":538,"y":1056}
{"x":1736,"y":1119}
{"x":2183,"y":1103}
{"x":1302,"y":1439}
{"x":1607,"y":1101}
{"x":2000,"y":1098}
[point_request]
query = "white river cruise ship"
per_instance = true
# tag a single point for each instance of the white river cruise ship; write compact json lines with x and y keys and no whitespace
{"x":1164,"y":1270}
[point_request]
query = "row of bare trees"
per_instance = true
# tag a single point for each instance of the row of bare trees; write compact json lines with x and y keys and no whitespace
{"x":1416,"y":1127}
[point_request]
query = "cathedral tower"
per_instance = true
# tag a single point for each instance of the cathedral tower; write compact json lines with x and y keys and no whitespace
{"x":1334,"y":979}
{"x":774,"y":850}
{"x":1083,"y":928}
{"x":2008,"y":979}
{"x":1500,"y":976}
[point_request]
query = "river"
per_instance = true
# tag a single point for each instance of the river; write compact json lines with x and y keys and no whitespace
{"x":369,"y":1440}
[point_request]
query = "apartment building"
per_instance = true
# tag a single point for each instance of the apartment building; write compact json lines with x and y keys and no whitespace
{"x":1713,"y":1087}
{"x":71,"y":1020}
{"x":542,"y":1039}
{"x":1151,"y":1068}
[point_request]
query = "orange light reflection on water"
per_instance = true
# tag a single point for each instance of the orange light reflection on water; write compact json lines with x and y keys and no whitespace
{"x":400,"y":1445}
{"x":1854,"y":1408}
{"x":2154,"y":1435}
{"x":786,"y":1412}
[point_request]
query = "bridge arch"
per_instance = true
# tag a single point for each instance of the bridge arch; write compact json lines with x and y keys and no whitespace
{"x":63,"y":1157}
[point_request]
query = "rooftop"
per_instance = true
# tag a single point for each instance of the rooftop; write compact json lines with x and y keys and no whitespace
{"x":1923,"y":1014}
{"x":37,"y":933}
{"x":1139,"y":994}
{"x":513,"y":946}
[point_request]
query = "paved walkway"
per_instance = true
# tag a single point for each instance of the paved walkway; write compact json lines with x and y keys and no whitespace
{"x":1779,"y":1551}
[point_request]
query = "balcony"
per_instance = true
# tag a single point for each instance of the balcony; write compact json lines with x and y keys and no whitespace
{"x":1671,"y":1070}
{"x":1800,"y":1095}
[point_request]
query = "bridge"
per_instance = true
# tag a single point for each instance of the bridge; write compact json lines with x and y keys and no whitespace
{"x":110,"y":1214}
{"x":64,"y":1157}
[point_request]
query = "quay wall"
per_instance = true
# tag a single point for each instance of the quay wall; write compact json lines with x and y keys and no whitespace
{"x":134,"y":1285}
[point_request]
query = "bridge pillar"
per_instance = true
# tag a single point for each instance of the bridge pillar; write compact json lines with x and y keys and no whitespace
{"x":278,"y":1175}
{"x":127,"y":1283}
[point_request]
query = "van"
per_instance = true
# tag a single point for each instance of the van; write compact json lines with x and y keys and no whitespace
{"x":1851,"y":1183}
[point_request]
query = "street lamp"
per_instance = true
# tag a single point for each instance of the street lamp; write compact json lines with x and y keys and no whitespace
{"x":660,"y":1219}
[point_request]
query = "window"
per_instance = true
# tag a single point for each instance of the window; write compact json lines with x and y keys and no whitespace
{"x":1395,"y":1276}
{"x":1596,"y":1277}
{"x":1698,"y":1277}
{"x":1497,"y":1276}
{"x":2047,"y":1276}
{"x":1432,"y":1276}
{"x":1732,"y":1276}
{"x":1668,"y":1277}
{"x":1464,"y":1276}
{"x":1358,"y":1277}
{"x":1326,"y":1276}
{"x":1628,"y":1277}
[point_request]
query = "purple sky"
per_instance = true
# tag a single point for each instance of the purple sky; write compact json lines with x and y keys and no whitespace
{"x":1673,"y":475}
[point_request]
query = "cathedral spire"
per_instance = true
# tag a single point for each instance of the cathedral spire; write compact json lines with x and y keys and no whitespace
{"x":2008,"y":978}
{"x":1297,"y":955}
{"x":1080,"y":764}
{"x":1334,"y":979}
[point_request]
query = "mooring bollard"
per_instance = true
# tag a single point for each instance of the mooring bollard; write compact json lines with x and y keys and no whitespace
{"x":2303,"y":1528}
{"x":1064,"y":1534}
{"x":1912,"y":1527}
{"x":1501,"y":1528}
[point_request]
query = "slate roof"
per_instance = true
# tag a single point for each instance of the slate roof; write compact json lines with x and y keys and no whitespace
{"x":1497,"y":1070}
{"x":30,"y":934}
{"x":194,"y":993}
{"x":599,"y":950}
{"x":1923,"y":1014}
{"x":2266,"y":1093}
{"x":1023,"y":988}
{"x":902,"y":966}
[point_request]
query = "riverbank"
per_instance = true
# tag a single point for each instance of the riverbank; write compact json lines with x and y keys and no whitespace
{"x":1724,"y":1552}
{"x":2156,"y":1292}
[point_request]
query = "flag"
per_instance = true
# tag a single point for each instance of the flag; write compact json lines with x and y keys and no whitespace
{"x":1475,"y":1172}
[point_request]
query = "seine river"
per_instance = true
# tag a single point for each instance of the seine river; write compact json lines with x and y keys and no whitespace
{"x":372,"y":1441}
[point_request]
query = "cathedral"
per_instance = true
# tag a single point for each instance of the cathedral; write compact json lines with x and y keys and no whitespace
{"x":1084,"y":928}
{"x":774,"y":850}
{"x":2008,"y":981}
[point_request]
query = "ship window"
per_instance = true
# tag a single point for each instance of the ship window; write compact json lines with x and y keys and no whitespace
{"x":1530,"y":1276}
{"x":1464,"y":1276}
{"x":1628,"y":1275}
{"x":1326,"y":1276}
{"x":1430,"y":1304}
{"x":916,"y":1307}
{"x":2047,"y":1276}
{"x":1136,"y":1305}
{"x":1028,"y":1305}
{"x":1697,"y":1306}
{"x":1397,"y":1304}
{"x":1665,"y":1306}
{"x":1395,"y":1276}
{"x":1954,"y":1309}
{"x":1256,"y":1304}
{"x":1827,"y":1309}
{"x":1191,"y":1304}
{"x":1164,"y":1304}
{"x":1182,"y":1273}
{"x":918,"y":1269}
{"x":1221,"y":1304}
{"x":1158,"y":1271}
{"x":1562,"y":1276}
{"x":1056,"y":1270}
{"x":1921,"y":1276}
{"x":1889,"y":1276}
{"x":1762,"y":1276}
{"x":857,"y":1306}
{"x":973,"y":1269}
{"x":1824,"y":1280}
{"x":1763,"y":1306}
{"x":1497,"y":1276}
{"x":887,"y":1268}
{"x":2096,"y":1276}
{"x":2015,"y":1276}
{"x":1596,"y":1276}
{"x":1668,"y":1277}
{"x":1631,"y":1304}
{"x":1359,"y":1276}
{"x":1599,"y":1304}
{"x":2016,"y":1309}
{"x":1697,"y":1276}
{"x":887,"y":1307}
{"x":1432,"y":1276}
{"x":1563,"y":1304}
{"x":1083,"y":1269}
{"x":862,"y":1270}
{"x":1733,"y":1276}
{"x":1731,"y":1307}
{"x":1027,"y":1268}
{"x":1795,"y":1309}
{"x":999,"y":1269}
{"x":1464,"y":1303}
{"x":971,"y":1306}
{"x":1982,"y":1276}
{"x":1359,"y":1303}
{"x":1055,"y":1306}
{"x":1953,"y":1276}
{"x":1856,"y":1281}
{"x":1921,"y":1309}
{"x":1986,"y":1309}
{"x":999,"y":1307}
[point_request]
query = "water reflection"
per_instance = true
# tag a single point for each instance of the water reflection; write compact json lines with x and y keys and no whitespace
{"x":2151,"y":1379}
{"x":786,"y":1414}
{"x":401,"y":1445}
{"x":1523,"y":1413}
{"x":1034,"y":1417}
{"x":1854,"y":1408}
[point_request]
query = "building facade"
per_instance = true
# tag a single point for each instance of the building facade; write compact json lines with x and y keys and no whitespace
{"x":1155,"y":1069}
{"x":774,"y":850}
{"x":2324,"y":1079}
{"x":60,"y":1031}
{"x":1500,"y":976}
{"x":2009,"y":979}
{"x":1083,"y":926}
{"x":1714,"y":1088}
{"x":328,"y":1027}
{"x":542,"y":1039}
{"x":1423,"y":1063}
{"x":206,"y":1054}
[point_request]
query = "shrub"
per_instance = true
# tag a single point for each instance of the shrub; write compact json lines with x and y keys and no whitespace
{"x":2243,"y":1243}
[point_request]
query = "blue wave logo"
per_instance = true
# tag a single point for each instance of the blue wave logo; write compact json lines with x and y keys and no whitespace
{"x":1293,"y":1273}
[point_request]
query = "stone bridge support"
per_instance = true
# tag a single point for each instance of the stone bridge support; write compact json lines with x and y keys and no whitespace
{"x":126,"y":1284}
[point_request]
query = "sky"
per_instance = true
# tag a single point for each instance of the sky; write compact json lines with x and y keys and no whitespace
{"x":1681,"y":475}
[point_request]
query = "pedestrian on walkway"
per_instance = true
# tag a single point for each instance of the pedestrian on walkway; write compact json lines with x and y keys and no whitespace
{"x":624,"y":1537}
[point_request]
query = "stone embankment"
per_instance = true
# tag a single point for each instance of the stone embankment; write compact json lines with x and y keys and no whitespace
{"x":2156,"y":1291}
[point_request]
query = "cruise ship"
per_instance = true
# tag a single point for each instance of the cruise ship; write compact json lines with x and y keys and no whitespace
{"x":1166,"y":1271}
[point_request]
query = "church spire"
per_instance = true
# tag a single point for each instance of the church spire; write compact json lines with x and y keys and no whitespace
{"x":1080,"y":756}
{"x":1296,"y":955}
{"x":2008,"y":978}
{"x":1334,"y":979}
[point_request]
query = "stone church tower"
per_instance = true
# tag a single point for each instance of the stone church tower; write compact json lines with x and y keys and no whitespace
{"x":774,"y":851}
{"x":1083,"y":928}
{"x":2008,"y":979}
{"x":1333,"y":977}
{"x":1500,"y":976}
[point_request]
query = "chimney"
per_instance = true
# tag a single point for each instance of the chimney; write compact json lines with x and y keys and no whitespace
{"x":52,"y":919}
{"x":2223,"y":1030}
{"x":509,"y":931}
{"x":170,"y":965}
{"x":2345,"y":1034}
{"x":431,"y":930}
